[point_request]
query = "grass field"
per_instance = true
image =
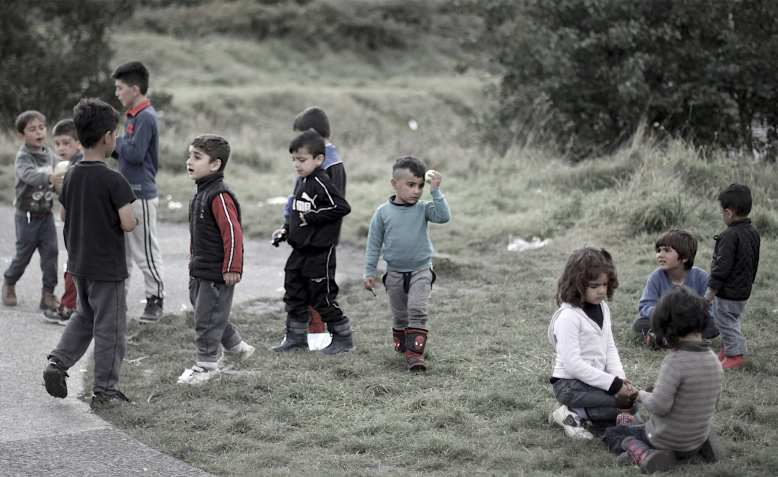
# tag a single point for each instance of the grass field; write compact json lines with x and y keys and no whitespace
{"x":481,"y":408}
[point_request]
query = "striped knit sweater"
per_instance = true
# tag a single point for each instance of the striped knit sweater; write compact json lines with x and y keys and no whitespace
{"x":684,"y":398}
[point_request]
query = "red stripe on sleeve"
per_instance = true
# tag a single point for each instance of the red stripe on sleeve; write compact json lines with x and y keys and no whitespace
{"x":226,"y":214}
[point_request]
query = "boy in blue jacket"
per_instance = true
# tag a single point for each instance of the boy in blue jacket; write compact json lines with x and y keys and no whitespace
{"x":137,"y":152}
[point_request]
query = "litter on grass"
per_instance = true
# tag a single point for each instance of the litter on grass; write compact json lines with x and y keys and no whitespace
{"x":518,"y":244}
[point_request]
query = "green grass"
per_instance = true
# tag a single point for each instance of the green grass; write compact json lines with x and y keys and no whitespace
{"x":481,"y":408}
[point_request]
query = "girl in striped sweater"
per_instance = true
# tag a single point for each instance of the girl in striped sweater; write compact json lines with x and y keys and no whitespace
{"x":684,"y":396}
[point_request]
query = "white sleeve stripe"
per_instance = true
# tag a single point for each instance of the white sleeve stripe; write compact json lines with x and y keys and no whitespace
{"x":325,"y":190}
{"x":232,"y":231}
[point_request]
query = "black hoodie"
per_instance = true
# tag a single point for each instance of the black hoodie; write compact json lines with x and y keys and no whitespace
{"x":317,"y":211}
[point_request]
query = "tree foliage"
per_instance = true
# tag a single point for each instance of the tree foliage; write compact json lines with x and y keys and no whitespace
{"x":54,"y":53}
{"x":589,"y":72}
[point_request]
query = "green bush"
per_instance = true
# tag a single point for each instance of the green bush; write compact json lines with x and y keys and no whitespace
{"x":765,"y":221}
{"x":54,"y":53}
{"x":656,"y":213}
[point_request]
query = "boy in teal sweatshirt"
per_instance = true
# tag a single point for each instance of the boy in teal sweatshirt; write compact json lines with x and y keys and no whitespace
{"x":399,"y":232}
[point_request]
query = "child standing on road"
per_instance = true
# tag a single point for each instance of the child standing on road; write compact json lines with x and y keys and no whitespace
{"x":33,"y":219}
{"x":97,"y":203}
{"x":399,"y":231}
{"x":216,"y":258}
{"x":137,"y":152}
{"x":684,"y":398}
{"x":675,"y":252}
{"x":313,"y":229}
{"x":732,"y":272}
{"x":588,"y":378}
{"x":68,"y":149}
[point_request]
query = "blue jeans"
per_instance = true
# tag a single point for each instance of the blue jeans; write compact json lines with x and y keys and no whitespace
{"x":729,"y":316}
{"x":599,"y":405}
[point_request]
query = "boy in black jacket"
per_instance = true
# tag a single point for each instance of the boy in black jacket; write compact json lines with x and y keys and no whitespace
{"x":312,"y":231}
{"x":732,"y":273}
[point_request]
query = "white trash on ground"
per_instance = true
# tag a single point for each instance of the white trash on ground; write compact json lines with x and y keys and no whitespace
{"x":518,"y":244}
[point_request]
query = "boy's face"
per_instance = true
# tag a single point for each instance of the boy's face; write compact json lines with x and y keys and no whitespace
{"x":126,"y":94}
{"x":667,"y":258}
{"x":407,"y":187}
{"x":305,"y":163}
{"x":199,"y":164}
{"x":66,"y":146}
{"x":34,"y":134}
{"x":597,"y":290}
{"x":728,"y":216}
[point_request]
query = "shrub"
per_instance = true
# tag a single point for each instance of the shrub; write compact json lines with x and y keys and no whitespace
{"x":57,"y":52}
{"x":657,"y":213}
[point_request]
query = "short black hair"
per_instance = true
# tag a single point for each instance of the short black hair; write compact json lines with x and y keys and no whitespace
{"x":682,"y":242}
{"x":93,"y":118}
{"x":415,"y":166}
{"x":678,"y":313}
{"x":134,"y":73}
{"x":310,"y":140}
{"x":215,"y":146}
{"x":23,"y":119}
{"x":65,"y":127}
{"x":736,"y":197}
{"x":313,"y":118}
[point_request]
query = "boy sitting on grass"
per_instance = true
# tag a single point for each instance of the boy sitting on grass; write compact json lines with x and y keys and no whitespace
{"x":399,"y":231}
{"x":215,"y":260}
{"x":675,"y":252}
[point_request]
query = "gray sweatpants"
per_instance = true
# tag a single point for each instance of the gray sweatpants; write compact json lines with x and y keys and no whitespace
{"x":408,"y":297}
{"x":101,"y":313}
{"x":729,"y":316}
{"x":142,"y":247}
{"x":212,"y":303}
{"x":37,"y":233}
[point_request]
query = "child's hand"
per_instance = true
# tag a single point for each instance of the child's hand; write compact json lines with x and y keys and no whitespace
{"x":434,"y":178}
{"x":231,"y":278}
{"x":56,"y":181}
{"x":710,"y":295}
{"x":278,"y":236}
{"x":369,"y":283}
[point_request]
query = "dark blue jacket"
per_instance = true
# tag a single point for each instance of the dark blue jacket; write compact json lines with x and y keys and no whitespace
{"x":138,"y":150}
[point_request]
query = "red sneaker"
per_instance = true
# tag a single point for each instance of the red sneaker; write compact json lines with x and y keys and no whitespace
{"x":733,"y":362}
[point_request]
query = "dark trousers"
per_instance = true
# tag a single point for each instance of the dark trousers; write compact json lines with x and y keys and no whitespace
{"x":101,"y":313}
{"x":616,"y":434}
{"x":309,"y":279}
{"x":212,"y":303}
{"x":599,"y":405}
{"x":39,"y":233}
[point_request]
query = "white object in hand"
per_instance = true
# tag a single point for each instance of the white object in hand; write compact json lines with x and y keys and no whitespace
{"x":61,"y":168}
{"x":428,"y":175}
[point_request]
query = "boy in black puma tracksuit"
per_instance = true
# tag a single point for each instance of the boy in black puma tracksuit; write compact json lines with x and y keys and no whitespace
{"x":313,"y":228}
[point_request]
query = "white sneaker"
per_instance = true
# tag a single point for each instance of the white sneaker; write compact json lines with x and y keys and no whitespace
{"x":239,"y":352}
{"x":570,"y":422}
{"x":197,"y":375}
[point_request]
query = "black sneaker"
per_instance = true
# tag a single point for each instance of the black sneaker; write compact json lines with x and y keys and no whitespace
{"x":153,"y":311}
{"x":107,"y":398}
{"x":54,"y":379}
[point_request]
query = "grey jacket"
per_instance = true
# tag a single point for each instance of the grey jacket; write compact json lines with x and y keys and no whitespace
{"x":34,"y":193}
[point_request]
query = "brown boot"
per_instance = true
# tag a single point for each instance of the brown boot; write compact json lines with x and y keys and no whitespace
{"x":49,"y":301}
{"x":9,"y":294}
{"x":398,"y":336}
{"x":415,"y":342}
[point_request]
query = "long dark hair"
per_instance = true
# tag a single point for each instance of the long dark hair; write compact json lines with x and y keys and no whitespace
{"x":585,"y":265}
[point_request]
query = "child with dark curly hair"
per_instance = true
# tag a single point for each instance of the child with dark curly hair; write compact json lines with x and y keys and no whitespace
{"x":588,"y":378}
{"x":684,"y":396}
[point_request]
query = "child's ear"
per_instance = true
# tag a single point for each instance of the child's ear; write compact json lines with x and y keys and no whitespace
{"x":215,"y":165}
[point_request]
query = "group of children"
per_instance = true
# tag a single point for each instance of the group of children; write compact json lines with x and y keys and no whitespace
{"x":682,"y":308}
{"x":110,"y":222}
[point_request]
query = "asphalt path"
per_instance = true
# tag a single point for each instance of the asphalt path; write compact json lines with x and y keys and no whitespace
{"x":41,"y":435}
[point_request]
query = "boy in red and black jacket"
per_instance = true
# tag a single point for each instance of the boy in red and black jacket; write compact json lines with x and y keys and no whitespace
{"x":216,"y":258}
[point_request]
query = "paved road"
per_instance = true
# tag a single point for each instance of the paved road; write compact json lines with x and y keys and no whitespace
{"x":40,"y":435}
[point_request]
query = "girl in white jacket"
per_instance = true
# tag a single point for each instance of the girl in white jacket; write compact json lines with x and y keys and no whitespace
{"x":588,"y":378}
